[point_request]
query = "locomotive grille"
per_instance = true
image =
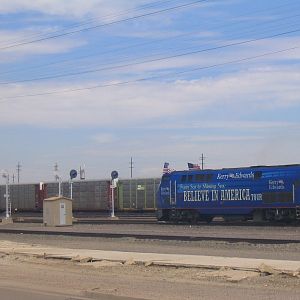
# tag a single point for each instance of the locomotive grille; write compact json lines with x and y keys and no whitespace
{"x":278,"y":197}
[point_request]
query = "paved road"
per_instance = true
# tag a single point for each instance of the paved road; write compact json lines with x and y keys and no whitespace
{"x":9,"y":293}
{"x":16,"y":294}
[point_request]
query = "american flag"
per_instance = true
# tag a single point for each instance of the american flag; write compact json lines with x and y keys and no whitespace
{"x":192,"y":166}
{"x":166,"y":168}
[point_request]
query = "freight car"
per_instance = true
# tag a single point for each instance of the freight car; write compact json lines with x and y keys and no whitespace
{"x":258,"y":192}
{"x":88,"y":195}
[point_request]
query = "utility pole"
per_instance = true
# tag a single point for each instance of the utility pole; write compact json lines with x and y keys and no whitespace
{"x":58,"y":178}
{"x":202,"y":161}
{"x":13,"y":178}
{"x":56,"y":172}
{"x":131,"y":167}
{"x":18,"y":171}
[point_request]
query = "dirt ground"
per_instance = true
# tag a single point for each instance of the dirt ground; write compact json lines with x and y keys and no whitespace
{"x":93,"y":280}
{"x":104,"y":280}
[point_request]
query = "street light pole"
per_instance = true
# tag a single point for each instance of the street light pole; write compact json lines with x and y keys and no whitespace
{"x":71,"y":189}
{"x":112,"y":199}
{"x":73,"y":174}
{"x":114,"y":181}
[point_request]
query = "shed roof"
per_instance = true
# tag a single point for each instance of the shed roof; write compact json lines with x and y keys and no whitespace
{"x":57,"y":198}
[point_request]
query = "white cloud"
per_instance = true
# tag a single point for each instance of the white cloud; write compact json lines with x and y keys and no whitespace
{"x":234,"y":117}
{"x":74,"y":8}
{"x":104,"y":138}
{"x":220,"y":151}
{"x":9,"y":55}
{"x":153,"y":102}
{"x":203,"y":61}
{"x":218,"y":138}
{"x":225,"y":124}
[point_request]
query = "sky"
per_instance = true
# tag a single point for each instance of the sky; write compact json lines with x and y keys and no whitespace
{"x":93,"y":83}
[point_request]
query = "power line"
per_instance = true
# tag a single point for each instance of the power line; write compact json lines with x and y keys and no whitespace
{"x":105,"y":24}
{"x":199,"y":68}
{"x":152,"y":60}
{"x":91,"y":20}
{"x":143,"y":44}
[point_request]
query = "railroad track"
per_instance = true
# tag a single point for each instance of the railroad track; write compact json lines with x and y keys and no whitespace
{"x":142,"y":236}
{"x":98,"y":221}
{"x":132,"y":218}
{"x":149,"y":220}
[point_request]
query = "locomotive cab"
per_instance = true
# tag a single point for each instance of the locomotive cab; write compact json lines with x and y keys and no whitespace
{"x":164,"y":196}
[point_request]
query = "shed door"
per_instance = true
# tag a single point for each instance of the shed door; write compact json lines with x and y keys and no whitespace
{"x":62,"y":213}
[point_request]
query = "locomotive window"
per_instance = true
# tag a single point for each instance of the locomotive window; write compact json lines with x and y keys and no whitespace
{"x":190,"y":177}
{"x":257,"y":175}
{"x":200,"y":177}
{"x":203,"y":177}
{"x":183,"y":178}
{"x":165,"y":178}
{"x":209,"y":177}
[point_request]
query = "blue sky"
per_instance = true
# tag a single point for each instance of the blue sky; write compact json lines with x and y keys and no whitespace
{"x":236,"y":113}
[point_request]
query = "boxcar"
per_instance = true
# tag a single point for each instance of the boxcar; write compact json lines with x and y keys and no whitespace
{"x":137,"y":194}
{"x":259,"y":193}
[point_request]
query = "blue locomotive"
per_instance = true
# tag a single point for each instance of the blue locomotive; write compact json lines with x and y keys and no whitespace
{"x":258,"y":192}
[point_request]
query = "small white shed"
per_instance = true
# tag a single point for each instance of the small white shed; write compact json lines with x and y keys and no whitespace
{"x":57,"y":211}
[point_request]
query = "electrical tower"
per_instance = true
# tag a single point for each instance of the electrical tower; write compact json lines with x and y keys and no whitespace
{"x":56,"y":176}
{"x":131,"y":167}
{"x":18,"y":171}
